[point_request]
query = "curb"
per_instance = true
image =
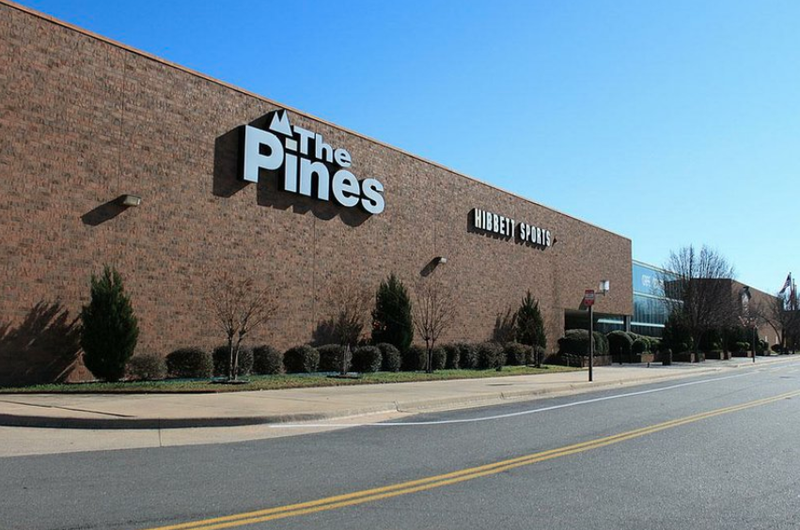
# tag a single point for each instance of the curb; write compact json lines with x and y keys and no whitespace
{"x":444,"y":404}
{"x":470,"y":401}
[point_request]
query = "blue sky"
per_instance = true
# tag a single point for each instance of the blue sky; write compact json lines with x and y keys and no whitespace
{"x":671,"y":123}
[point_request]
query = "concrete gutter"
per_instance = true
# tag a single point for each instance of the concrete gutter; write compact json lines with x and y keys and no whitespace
{"x":180,"y":411}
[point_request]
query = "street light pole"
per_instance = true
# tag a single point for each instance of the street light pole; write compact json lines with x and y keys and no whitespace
{"x":591,"y":341}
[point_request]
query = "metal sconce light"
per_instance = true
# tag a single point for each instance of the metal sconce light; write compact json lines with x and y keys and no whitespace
{"x":130,"y":200}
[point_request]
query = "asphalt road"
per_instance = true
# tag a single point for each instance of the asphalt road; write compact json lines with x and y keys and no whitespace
{"x":713,"y":452}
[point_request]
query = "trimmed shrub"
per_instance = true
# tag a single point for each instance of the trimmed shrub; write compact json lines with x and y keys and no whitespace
{"x":575,"y":342}
{"x":391,"y":318}
{"x":619,"y":343}
{"x":147,"y":367}
{"x":391,"y":360}
{"x":109,"y":329}
{"x":267,"y":360}
{"x":600,"y":343}
{"x":639,"y":346}
{"x":301,"y":359}
{"x":330,"y":358}
{"x":490,"y":355}
{"x":776,"y":348}
{"x":539,"y":351}
{"x":222,"y":358}
{"x":439,"y":358}
{"x":453,"y":355}
{"x":191,"y":363}
{"x":367,"y":359}
{"x":655,"y":345}
{"x":742,"y":346}
{"x":414,"y":359}
{"x":516,"y":353}
{"x":467,"y":355}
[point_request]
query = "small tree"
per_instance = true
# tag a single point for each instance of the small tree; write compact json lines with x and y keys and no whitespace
{"x":530,"y":327}
{"x":391,"y":318}
{"x":433,"y":312}
{"x":109,"y":330}
{"x":239,"y":307}
{"x":349,"y":305}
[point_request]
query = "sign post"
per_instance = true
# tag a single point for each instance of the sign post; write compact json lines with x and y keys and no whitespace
{"x":588,"y":300}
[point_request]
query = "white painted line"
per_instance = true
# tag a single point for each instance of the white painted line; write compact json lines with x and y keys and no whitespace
{"x":504,"y":416}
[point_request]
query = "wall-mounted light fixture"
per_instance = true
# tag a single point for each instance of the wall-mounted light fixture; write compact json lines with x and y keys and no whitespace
{"x":440,"y":260}
{"x":130,"y":200}
{"x":604,"y":287}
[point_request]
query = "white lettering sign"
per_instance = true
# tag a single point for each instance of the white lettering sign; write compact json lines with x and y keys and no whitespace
{"x":507,"y":227}
{"x":310,"y":166}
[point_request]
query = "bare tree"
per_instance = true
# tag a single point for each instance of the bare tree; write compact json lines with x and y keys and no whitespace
{"x":349,"y":306}
{"x":784,"y":320}
{"x":697,"y":286}
{"x":433,"y":312}
{"x":239,"y":307}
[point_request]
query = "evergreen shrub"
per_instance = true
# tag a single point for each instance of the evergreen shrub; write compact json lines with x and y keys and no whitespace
{"x":390,"y":357}
{"x":301,"y":359}
{"x":147,"y":367}
{"x":367,"y":359}
{"x":221,"y":357}
{"x":190,"y":363}
{"x":267,"y":360}
{"x":109,"y":329}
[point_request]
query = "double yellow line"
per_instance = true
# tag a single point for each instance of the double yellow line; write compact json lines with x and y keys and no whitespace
{"x":414,"y":486}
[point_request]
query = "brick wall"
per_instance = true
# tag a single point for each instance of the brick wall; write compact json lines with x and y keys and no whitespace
{"x":84,"y":120}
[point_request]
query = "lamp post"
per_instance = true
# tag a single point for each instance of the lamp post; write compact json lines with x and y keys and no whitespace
{"x":748,"y":319}
{"x":588,"y":300}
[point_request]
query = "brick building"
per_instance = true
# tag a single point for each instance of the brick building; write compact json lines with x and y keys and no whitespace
{"x":86,"y":121}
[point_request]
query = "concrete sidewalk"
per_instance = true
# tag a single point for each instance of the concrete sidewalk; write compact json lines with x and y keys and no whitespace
{"x":177,"y":411}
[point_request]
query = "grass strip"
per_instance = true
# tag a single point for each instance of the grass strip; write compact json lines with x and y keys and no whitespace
{"x":271,"y":382}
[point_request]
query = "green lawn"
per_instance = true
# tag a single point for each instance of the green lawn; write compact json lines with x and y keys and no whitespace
{"x":274,"y":382}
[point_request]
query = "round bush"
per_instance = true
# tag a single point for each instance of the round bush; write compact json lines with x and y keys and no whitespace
{"x":222,"y":356}
{"x":415,"y":358}
{"x":267,"y":360}
{"x":619,"y":343}
{"x":452,"y":355}
{"x":330,"y":358}
{"x":191,"y":363}
{"x":490,"y":355}
{"x":467,"y":355}
{"x":390,"y":357}
{"x":600,"y":343}
{"x":575,"y":342}
{"x":439,"y":358}
{"x":367,"y":359}
{"x":776,"y":348}
{"x":516,"y":353}
{"x":540,"y":351}
{"x":147,"y":367}
{"x":639,"y":346}
{"x":301,"y":359}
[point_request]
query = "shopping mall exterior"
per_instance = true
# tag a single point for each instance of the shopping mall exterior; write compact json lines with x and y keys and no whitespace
{"x":230,"y":182}
{"x":112,"y":156}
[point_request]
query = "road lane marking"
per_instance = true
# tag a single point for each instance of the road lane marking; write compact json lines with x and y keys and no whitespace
{"x":503,"y":416}
{"x":455,"y":477}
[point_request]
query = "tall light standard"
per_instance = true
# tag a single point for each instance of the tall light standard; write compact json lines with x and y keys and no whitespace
{"x":588,"y":300}
{"x":748,"y":319}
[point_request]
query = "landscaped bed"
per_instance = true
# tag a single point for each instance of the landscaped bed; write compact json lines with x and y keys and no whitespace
{"x":273,"y":382}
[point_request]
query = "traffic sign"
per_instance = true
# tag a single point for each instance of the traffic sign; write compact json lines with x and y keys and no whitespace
{"x":588,"y":297}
